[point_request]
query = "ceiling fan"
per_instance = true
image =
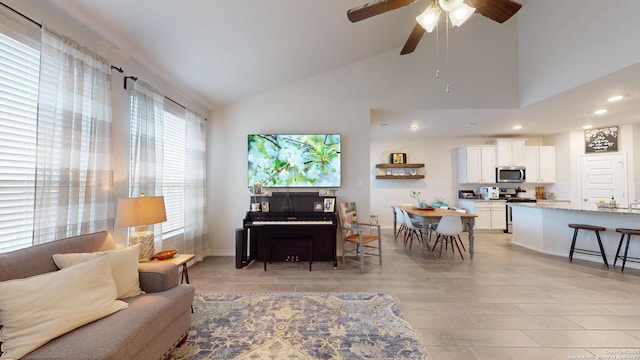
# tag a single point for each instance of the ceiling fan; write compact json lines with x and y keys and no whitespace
{"x":496,"y":10}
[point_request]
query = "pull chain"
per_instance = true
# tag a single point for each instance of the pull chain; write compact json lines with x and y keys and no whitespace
{"x":448,"y":88}
{"x":437,"y":76}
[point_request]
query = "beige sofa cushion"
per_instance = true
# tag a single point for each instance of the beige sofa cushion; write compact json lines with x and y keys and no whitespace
{"x":124,"y":267}
{"x":37,"y":309}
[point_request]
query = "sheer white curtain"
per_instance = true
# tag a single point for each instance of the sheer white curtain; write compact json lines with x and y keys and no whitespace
{"x":195,"y":225}
{"x":147,"y":112}
{"x":73,"y":192}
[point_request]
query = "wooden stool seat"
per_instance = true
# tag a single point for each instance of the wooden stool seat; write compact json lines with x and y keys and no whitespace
{"x":628,"y":233}
{"x":587,"y":227}
{"x":593,"y":228}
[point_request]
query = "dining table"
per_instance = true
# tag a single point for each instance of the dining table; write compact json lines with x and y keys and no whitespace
{"x":432,"y":215}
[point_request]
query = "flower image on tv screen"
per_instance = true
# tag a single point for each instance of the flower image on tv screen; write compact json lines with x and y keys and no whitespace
{"x":294,"y":160}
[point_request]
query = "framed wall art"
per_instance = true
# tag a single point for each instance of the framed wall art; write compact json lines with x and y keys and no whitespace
{"x":601,"y":140}
{"x":398,"y":158}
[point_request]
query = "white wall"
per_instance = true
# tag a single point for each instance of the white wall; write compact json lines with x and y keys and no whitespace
{"x":227,"y":177}
{"x":600,"y":35}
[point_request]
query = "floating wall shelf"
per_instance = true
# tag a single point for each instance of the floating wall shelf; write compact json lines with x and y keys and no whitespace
{"x":400,"y":171}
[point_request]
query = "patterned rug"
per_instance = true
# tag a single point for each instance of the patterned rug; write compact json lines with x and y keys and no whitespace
{"x":299,"y":326}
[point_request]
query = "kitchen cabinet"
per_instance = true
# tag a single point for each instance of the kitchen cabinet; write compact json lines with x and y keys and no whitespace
{"x":491,"y":213}
{"x":510,"y":152}
{"x":399,"y":171}
{"x":477,"y":164}
{"x":540,"y":162}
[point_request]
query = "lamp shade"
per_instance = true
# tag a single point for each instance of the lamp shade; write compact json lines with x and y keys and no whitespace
{"x":461,"y":14}
{"x":138,"y":211}
{"x":429,"y":18}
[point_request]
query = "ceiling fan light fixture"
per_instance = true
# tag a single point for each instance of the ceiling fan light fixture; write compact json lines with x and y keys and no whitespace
{"x":429,"y":18}
{"x":460,"y":14}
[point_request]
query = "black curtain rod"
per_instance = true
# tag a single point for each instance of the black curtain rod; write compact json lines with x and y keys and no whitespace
{"x":21,"y":14}
{"x":118,"y":69}
{"x":175,"y":102}
{"x":135,"y":78}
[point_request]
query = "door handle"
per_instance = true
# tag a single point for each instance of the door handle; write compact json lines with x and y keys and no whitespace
{"x":585,"y":199}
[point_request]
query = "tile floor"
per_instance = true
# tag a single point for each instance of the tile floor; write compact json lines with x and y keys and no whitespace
{"x":506,"y":303}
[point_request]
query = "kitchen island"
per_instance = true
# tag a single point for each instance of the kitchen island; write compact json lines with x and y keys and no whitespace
{"x":544,"y":228}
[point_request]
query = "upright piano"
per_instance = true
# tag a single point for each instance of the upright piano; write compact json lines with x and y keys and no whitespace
{"x":293,"y":222}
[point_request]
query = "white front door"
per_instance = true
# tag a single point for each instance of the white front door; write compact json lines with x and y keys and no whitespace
{"x":602,"y":177}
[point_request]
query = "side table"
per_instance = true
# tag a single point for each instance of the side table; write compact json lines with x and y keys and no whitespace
{"x":180,"y":259}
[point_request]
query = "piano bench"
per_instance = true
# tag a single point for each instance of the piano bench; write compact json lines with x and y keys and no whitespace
{"x":268,"y":242}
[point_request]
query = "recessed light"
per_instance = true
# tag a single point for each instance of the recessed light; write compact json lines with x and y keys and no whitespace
{"x":471,"y":124}
{"x":587,"y":127}
{"x":414,"y":127}
{"x":384,"y":125}
{"x":600,"y":111}
{"x":615,"y":98}
{"x":517,"y":127}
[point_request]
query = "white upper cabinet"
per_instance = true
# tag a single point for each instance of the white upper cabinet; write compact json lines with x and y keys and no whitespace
{"x":477,"y":164}
{"x":540,"y":162}
{"x":510,"y":152}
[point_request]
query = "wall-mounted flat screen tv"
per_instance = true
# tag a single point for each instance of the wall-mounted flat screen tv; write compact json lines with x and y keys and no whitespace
{"x":294,"y":160}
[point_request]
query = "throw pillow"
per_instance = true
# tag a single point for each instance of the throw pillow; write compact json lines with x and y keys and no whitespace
{"x":124,"y":267}
{"x":37,"y":309}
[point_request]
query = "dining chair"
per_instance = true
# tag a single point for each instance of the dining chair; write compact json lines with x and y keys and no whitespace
{"x":355,"y":241}
{"x":401,"y":226}
{"x":413,"y":228}
{"x":448,"y":232}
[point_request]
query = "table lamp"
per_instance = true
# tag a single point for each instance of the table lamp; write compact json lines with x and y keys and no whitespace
{"x":141,"y":212}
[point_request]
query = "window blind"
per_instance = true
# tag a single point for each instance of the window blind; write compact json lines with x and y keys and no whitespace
{"x":173,"y":173}
{"x":19,"y":72}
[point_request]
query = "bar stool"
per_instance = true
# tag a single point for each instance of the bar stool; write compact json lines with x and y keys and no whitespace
{"x":597,"y":230}
{"x":624,"y":232}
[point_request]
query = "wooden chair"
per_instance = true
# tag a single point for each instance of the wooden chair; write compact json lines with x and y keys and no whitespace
{"x":356,"y":241}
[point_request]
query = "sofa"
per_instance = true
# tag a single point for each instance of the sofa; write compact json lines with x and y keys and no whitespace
{"x":145,"y":326}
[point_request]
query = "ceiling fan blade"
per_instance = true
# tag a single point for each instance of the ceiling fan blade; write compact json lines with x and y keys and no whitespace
{"x":375,"y":8}
{"x":413,"y":40}
{"x":496,"y":10}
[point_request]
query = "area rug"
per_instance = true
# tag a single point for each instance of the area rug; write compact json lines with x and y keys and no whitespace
{"x":299,"y":326}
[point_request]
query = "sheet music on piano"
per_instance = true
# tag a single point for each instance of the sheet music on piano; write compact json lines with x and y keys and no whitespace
{"x":287,"y":205}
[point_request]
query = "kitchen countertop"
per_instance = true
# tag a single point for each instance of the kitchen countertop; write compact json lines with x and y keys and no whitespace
{"x":565,"y":206}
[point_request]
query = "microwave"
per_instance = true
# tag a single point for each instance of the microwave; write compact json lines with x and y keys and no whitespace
{"x":511,"y":174}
